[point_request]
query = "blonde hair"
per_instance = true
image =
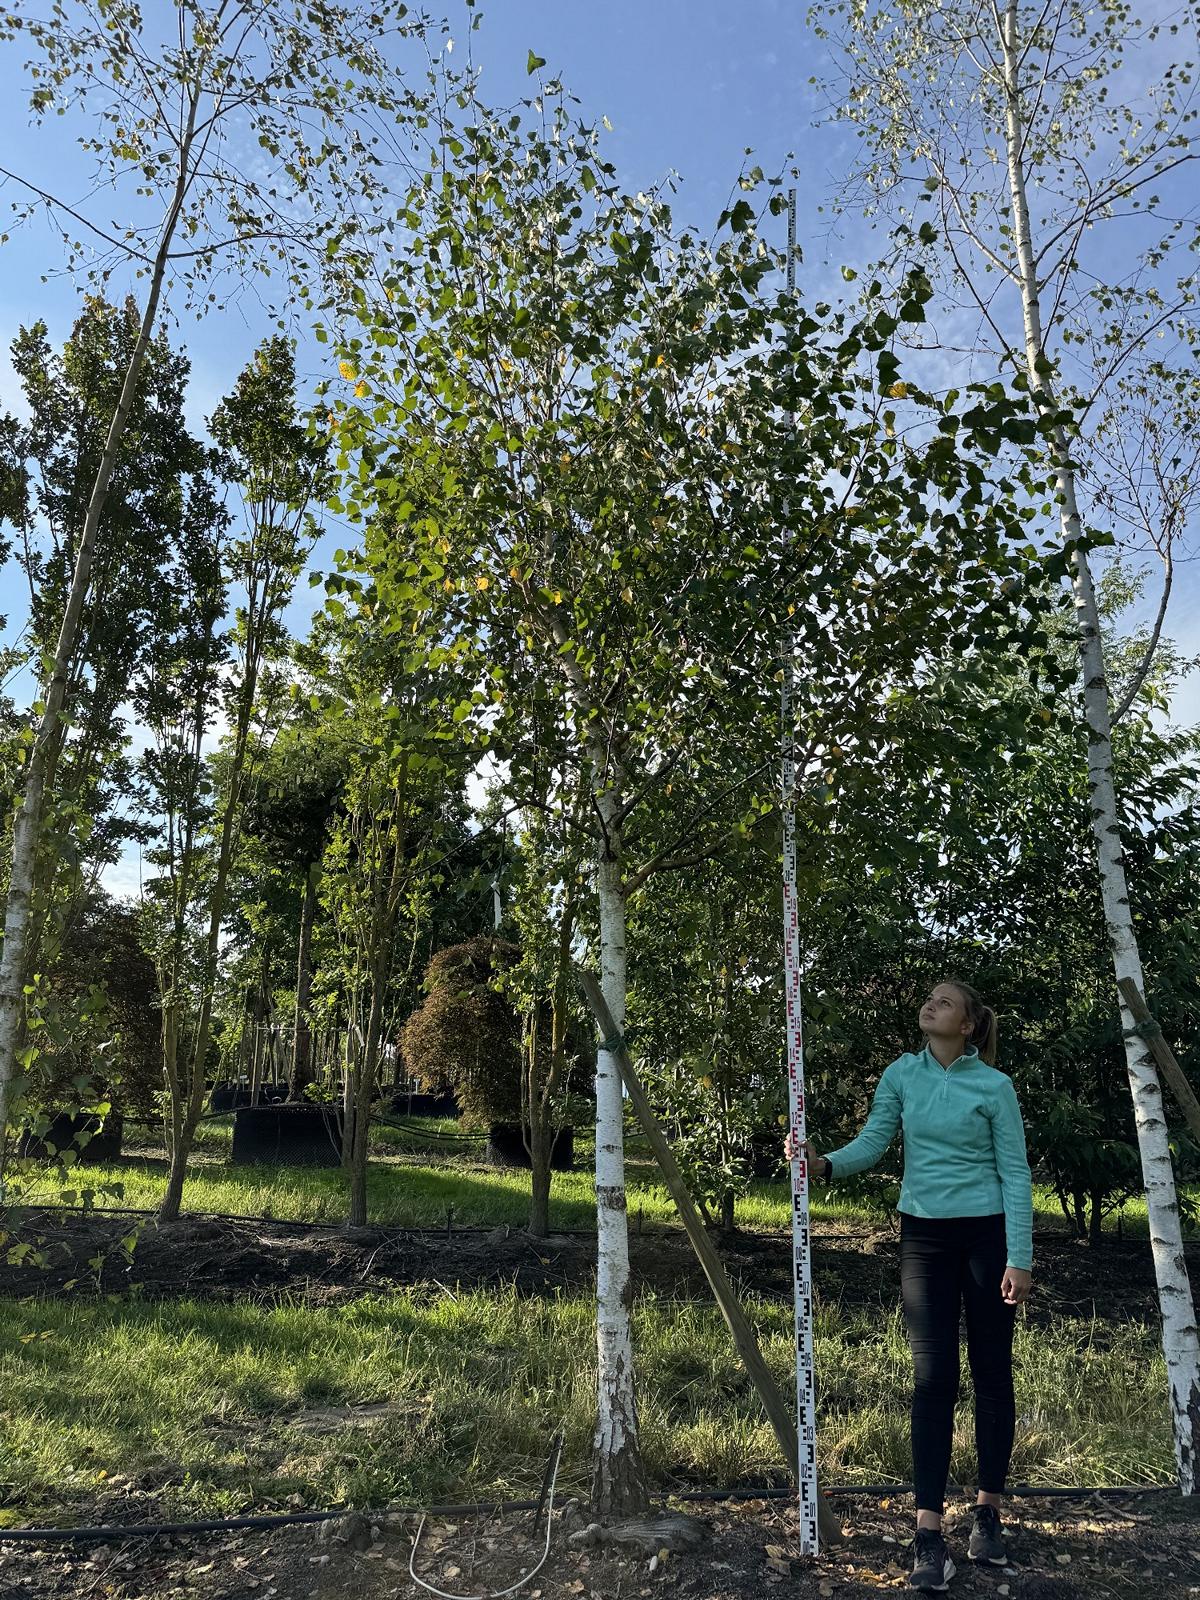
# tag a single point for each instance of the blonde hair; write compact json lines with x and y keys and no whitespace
{"x":984,"y":1034}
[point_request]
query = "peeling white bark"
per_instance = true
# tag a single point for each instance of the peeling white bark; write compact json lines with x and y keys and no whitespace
{"x":618,"y":1485}
{"x":1181,"y":1341}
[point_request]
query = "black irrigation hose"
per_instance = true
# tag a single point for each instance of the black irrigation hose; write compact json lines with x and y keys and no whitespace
{"x":115,"y":1532}
{"x":438,"y":1228}
{"x":153,"y":1530}
{"x":306,"y":1105}
{"x":426,"y":1133}
{"x":1021,"y":1491}
{"x":391,"y":1227}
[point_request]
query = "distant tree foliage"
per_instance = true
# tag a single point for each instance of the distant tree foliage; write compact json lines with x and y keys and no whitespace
{"x":467,"y":1034}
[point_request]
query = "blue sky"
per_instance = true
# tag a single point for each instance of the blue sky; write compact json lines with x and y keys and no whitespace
{"x":686,"y":84}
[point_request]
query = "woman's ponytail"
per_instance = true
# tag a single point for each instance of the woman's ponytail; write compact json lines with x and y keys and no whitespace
{"x":985,"y":1037}
{"x":984,"y":1034}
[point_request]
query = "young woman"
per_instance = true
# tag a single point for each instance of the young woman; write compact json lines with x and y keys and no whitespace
{"x":966,"y":1240}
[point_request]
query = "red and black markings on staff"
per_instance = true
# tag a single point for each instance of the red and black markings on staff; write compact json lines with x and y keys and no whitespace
{"x":806,"y":1404}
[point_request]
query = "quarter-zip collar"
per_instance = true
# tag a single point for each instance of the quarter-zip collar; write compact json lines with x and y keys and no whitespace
{"x":968,"y":1055}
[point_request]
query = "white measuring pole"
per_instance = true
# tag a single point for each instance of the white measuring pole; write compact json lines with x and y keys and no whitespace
{"x":806,"y":1403}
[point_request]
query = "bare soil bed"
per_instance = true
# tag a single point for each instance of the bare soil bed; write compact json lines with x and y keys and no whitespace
{"x":219,"y":1259}
{"x":1059,"y":1550}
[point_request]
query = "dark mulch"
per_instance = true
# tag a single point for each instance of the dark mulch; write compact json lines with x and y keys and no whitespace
{"x":1149,"y":1546}
{"x":218,"y":1259}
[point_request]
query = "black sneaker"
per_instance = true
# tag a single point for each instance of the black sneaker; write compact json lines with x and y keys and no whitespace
{"x":933,"y":1567}
{"x":987,"y":1544}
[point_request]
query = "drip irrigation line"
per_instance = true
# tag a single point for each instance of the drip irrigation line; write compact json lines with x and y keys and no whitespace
{"x":427,"y":1133}
{"x":307,"y":1105}
{"x":1022,"y":1491}
{"x":659,"y":1229}
{"x":110,"y":1532}
{"x":438,"y":1228}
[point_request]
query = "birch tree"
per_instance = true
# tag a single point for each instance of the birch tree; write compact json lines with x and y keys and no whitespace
{"x":167,"y":107}
{"x":1064,"y":203}
{"x":564,"y":423}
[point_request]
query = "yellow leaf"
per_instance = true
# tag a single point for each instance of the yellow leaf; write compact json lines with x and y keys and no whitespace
{"x":346,"y":368}
{"x":898,"y":391}
{"x":660,"y":361}
{"x":481,"y":583}
{"x":360,"y":389}
{"x":627,"y":596}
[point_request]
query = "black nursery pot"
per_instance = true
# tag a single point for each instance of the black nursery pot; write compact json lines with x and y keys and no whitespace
{"x":229,"y":1096}
{"x":70,"y":1131}
{"x":424,"y":1105}
{"x":286,"y":1135}
{"x":506,"y":1148}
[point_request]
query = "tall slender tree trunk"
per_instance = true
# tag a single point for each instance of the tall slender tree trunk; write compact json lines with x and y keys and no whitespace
{"x":536,"y":1131}
{"x":619,"y":1481}
{"x":364,"y":1093}
{"x":193,"y":1092}
{"x":27,"y":825}
{"x":1181,"y":1341}
{"x":541,"y":1138}
{"x":349,"y":1080}
{"x":302,"y":1073}
{"x":618,"y":1477}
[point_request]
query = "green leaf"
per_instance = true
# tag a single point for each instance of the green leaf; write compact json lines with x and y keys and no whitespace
{"x":533,"y":63}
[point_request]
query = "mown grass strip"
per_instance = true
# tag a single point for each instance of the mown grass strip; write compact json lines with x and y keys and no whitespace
{"x":422,"y":1190}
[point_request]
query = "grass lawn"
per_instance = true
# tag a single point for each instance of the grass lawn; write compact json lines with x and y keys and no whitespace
{"x":212,"y":1408}
{"x":415,"y":1182}
{"x":215,"y":1409}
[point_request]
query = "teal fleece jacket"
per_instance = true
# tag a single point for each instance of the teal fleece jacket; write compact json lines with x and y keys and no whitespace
{"x":964,"y":1144}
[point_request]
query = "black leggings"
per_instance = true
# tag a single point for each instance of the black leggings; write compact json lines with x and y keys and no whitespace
{"x":947,"y":1263}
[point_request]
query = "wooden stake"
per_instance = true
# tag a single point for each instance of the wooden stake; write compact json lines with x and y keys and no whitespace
{"x":735,"y":1318}
{"x":1150,"y":1031}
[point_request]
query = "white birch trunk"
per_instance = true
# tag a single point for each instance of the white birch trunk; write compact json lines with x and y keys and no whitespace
{"x":618,"y":1477}
{"x":1181,"y":1343}
{"x":618,"y":1483}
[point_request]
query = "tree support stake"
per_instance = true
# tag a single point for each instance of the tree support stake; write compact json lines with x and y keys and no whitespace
{"x":735,"y":1318}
